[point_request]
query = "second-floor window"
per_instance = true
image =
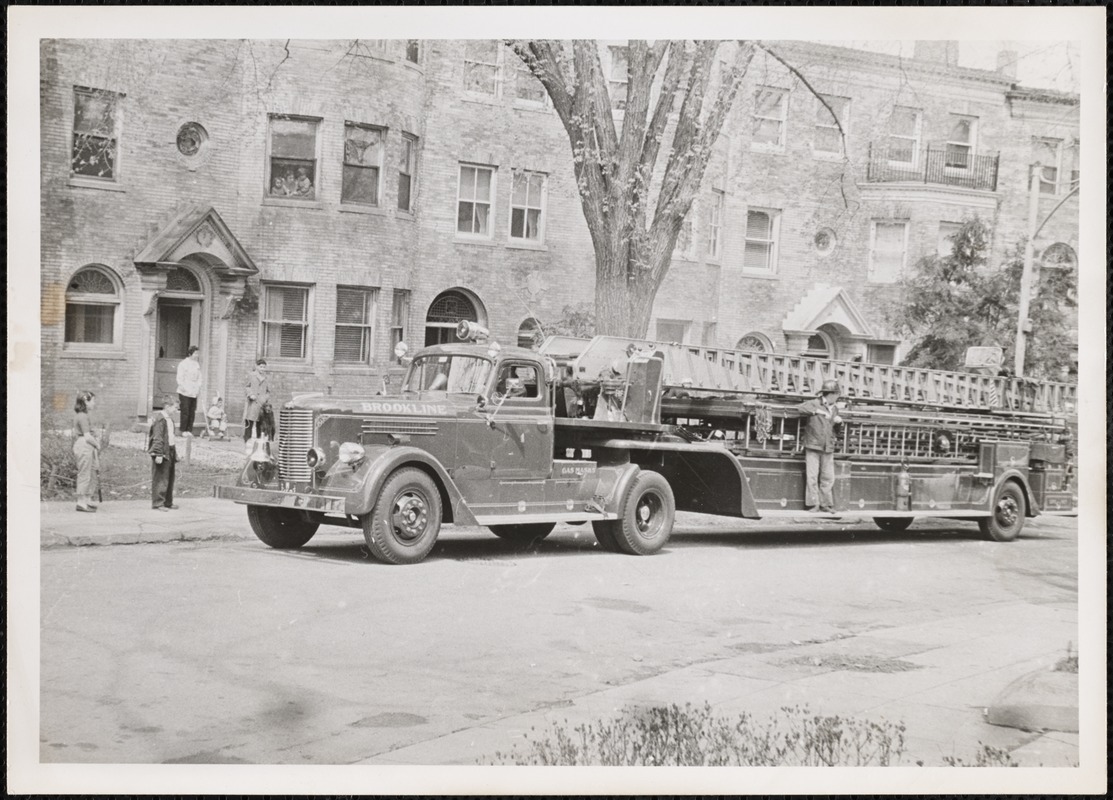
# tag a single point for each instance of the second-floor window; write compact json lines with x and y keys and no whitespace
{"x":904,"y":135}
{"x":829,"y":139}
{"x":473,"y":205}
{"x":715,"y":225}
{"x":355,"y":325}
{"x":761,"y":240}
{"x":407,"y":171}
{"x":526,"y":86}
{"x":946,"y":241}
{"x":888,"y":243}
{"x":685,"y":240}
{"x":1048,"y":153}
{"x":95,"y":134}
{"x":527,"y":202}
{"x":363,"y":156}
{"x":618,"y":78}
{"x":292,"y":169}
{"x":481,"y":66}
{"x":285,"y":321}
{"x":770,"y":112}
{"x":961,"y":140}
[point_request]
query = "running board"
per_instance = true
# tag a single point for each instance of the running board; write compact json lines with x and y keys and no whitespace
{"x":868,"y":515}
{"x":531,"y":519}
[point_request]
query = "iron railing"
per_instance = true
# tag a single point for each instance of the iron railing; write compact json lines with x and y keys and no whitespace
{"x":947,"y":165}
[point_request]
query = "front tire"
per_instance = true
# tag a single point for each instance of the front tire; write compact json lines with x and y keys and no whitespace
{"x":1008,"y":515}
{"x":280,"y":528}
{"x":646,"y":518}
{"x":403,"y":526}
{"x":525,"y":535}
{"x":892,"y":524}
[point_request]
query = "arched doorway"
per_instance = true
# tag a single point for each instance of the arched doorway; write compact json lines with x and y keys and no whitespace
{"x":822,"y":344}
{"x":445,"y":313}
{"x":529,"y":333}
{"x":178,"y":326}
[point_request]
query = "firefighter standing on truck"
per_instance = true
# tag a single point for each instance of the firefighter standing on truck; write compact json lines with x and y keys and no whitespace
{"x":819,"y":447}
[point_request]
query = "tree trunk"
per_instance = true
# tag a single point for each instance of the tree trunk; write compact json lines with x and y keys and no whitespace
{"x":624,"y":294}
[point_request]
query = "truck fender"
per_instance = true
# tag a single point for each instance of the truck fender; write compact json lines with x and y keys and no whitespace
{"x":1031,"y":510}
{"x":383,"y":461}
{"x":614,"y":502}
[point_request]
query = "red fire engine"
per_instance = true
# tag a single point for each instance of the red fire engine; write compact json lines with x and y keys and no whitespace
{"x":623,"y":433}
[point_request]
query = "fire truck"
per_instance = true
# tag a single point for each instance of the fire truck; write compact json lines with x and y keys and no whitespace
{"x":623,"y":433}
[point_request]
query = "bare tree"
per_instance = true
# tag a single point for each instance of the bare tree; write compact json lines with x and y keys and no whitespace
{"x":634,"y":210}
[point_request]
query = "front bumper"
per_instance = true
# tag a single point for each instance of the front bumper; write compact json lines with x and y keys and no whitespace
{"x":278,"y":499}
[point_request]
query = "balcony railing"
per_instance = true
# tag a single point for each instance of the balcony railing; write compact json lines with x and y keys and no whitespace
{"x":948,"y":165}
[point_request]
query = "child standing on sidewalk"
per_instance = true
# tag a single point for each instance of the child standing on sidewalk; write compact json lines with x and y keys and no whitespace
{"x":160,"y":446}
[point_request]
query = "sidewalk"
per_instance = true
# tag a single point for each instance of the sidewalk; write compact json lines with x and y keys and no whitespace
{"x":135,"y":522}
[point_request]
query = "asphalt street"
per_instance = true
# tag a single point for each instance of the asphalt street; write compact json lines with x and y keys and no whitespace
{"x":226,"y":652}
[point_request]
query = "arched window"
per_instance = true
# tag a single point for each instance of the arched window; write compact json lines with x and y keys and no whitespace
{"x":529,"y":333}
{"x":820,"y":346}
{"x":445,"y":314}
{"x":755,"y":341}
{"x":1059,"y":256}
{"x":93,"y":317}
{"x":179,"y":279}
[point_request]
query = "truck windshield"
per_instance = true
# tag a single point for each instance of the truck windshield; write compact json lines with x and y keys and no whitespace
{"x":447,"y":373}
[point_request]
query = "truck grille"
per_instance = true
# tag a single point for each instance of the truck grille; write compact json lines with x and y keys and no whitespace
{"x":417,"y":427}
{"x":295,"y":437}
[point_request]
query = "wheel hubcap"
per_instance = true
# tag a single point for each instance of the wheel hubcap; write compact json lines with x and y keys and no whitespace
{"x":647,"y":514}
{"x":1007,"y":512}
{"x":410,"y":516}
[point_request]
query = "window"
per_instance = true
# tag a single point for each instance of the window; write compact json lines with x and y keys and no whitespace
{"x":95,"y":133}
{"x":828,"y":138}
{"x":881,"y":354}
{"x":1048,"y":154}
{"x":825,"y":240}
{"x":407,"y":169}
{"x":92,"y":309}
{"x":526,"y":206}
{"x":672,"y":330}
{"x":819,"y":346}
{"x":1059,"y":256}
{"x":355,"y":325}
{"x":770,"y":107}
{"x":413,"y":50}
{"x":756,"y":342}
{"x":528,"y":88}
{"x":761,"y":240}
{"x":618,"y":79}
{"x":399,"y":317}
{"x":946,"y":241}
{"x":904,"y":135}
{"x":285,"y":321}
{"x":960,"y":141}
{"x":715,"y":225}
{"x":473,"y":208}
{"x":1072,"y":162}
{"x":685,"y":240}
{"x":293,"y":158}
{"x":888,"y":241}
{"x":517,"y":381}
{"x":363,"y":156}
{"x":530,"y":333}
{"x":481,"y":67}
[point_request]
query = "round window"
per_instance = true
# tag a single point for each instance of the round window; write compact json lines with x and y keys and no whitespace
{"x":825,"y":241}
{"x":191,"y":140}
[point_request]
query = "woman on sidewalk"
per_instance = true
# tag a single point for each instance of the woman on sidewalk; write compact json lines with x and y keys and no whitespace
{"x":86,"y":450}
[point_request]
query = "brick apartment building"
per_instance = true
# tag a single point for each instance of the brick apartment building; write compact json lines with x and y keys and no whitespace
{"x":315,"y":202}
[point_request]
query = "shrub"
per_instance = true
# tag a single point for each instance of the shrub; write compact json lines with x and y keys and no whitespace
{"x":986,"y":757}
{"x":57,"y":466}
{"x":674,"y":736}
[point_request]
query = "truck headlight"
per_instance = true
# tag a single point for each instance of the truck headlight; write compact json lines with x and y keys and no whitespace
{"x":351,"y":453}
{"x":315,"y":458}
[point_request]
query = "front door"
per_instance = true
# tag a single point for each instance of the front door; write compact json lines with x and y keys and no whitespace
{"x":178,"y":328}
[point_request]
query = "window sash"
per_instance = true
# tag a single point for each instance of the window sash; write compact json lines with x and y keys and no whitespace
{"x":527,"y":205}
{"x":770,"y":106}
{"x":528,"y":88}
{"x":473,"y":213}
{"x":90,"y":322}
{"x":405,"y":173}
{"x":355,"y":320}
{"x":960,"y":142}
{"x":887,"y":250}
{"x":904,"y":135}
{"x":714,"y":224}
{"x":481,"y":67}
{"x":399,"y":317}
{"x":828,"y":138}
{"x":285,"y":321}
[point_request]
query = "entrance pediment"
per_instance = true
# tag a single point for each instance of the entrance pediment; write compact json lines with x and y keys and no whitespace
{"x":827,"y":305}
{"x":198,"y":231}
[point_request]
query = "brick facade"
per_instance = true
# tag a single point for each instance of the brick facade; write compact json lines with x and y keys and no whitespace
{"x":212,"y":213}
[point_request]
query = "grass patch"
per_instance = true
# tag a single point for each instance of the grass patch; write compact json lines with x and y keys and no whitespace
{"x":860,"y":663}
{"x":695,"y":737}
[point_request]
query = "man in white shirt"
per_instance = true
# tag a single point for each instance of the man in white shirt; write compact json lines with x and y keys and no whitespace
{"x":189,"y":387}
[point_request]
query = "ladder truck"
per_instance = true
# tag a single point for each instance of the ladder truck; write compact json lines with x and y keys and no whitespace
{"x":623,"y":433}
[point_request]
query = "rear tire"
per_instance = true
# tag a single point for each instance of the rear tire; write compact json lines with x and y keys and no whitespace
{"x":892,"y":524}
{"x":1008,"y":515}
{"x":525,"y":535}
{"x":403,"y":526}
{"x":280,"y":528}
{"x":646,"y":517}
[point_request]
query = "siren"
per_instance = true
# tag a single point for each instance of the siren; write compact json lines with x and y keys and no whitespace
{"x":469,"y":331}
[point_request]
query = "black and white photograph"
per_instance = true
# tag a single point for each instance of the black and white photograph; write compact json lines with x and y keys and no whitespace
{"x":534,"y":391}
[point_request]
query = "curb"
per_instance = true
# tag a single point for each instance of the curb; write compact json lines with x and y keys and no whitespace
{"x":52,"y":540}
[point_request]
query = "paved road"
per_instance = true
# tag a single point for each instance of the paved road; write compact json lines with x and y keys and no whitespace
{"x":228,"y":652}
